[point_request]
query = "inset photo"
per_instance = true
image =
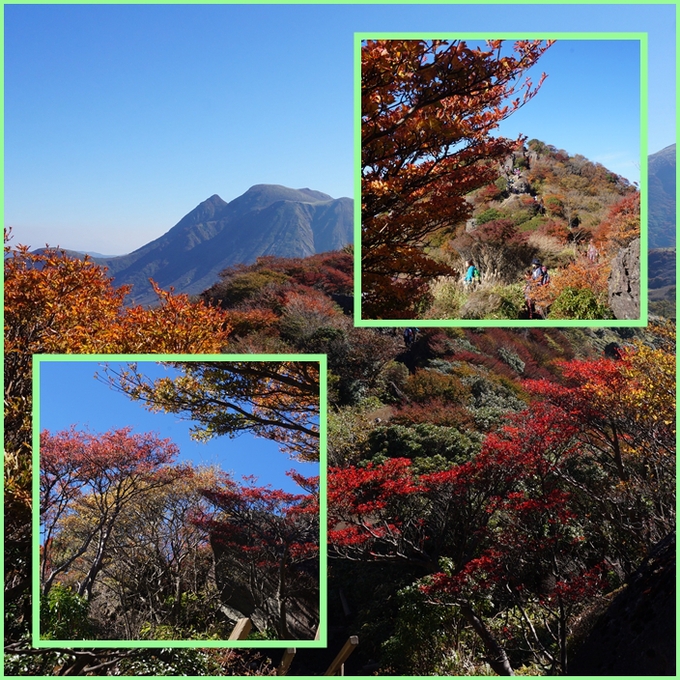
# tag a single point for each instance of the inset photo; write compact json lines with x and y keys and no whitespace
{"x":501,"y":180}
{"x":179,"y":501}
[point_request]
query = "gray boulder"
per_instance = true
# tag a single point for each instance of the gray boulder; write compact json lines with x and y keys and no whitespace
{"x":624,"y":282}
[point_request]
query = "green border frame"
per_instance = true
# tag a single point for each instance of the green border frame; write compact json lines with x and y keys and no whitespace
{"x":643,"y":189}
{"x":37,"y":642}
{"x":386,"y":3}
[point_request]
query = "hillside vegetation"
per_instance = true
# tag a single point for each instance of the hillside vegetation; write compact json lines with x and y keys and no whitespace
{"x":489,"y":490}
{"x":571,"y":215}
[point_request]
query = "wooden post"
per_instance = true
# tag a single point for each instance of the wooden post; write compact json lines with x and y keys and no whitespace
{"x":286,"y":660}
{"x":338,"y":665}
{"x":241,"y":629}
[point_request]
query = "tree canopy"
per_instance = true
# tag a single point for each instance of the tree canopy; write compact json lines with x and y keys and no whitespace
{"x":277,"y":400}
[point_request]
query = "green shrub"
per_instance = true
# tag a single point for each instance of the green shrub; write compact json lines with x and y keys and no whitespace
{"x":579,"y":303}
{"x":164,"y":662}
{"x":421,"y":443}
{"x":424,"y":638}
{"x":64,"y":615}
{"x":489,"y":215}
{"x":247,"y":285}
{"x":511,"y":359}
{"x":532,"y":224}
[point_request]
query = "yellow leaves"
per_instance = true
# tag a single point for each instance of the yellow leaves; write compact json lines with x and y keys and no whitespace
{"x":649,"y":373}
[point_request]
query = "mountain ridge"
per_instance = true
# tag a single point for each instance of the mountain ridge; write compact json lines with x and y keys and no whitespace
{"x":266,"y":220}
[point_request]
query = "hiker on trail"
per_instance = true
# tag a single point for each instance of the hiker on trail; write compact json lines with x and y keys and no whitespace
{"x":540,"y":275}
{"x":472,"y":274}
{"x":593,"y":252}
{"x":410,"y":336}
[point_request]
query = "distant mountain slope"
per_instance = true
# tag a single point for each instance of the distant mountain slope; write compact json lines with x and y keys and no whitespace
{"x":266,"y":220}
{"x":661,"y":274}
{"x":662,"y":198}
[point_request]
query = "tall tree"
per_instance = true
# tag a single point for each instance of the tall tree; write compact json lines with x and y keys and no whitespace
{"x":427,"y":112}
{"x":96,"y":475}
{"x":277,"y":400}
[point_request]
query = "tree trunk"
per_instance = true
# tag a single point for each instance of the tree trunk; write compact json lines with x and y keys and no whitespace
{"x":282,"y":596}
{"x":497,"y":658}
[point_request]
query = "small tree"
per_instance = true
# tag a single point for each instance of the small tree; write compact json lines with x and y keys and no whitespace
{"x":267,"y":541}
{"x":497,"y":248}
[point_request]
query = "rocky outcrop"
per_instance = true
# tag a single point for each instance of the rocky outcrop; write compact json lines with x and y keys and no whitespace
{"x":624,"y":282}
{"x":636,"y":635}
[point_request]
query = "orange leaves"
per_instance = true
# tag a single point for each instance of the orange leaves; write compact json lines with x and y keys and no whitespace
{"x":54,"y":303}
{"x":622,"y":224}
{"x":580,"y":275}
{"x":176,"y":325}
{"x":58,"y":304}
{"x":428,"y":108}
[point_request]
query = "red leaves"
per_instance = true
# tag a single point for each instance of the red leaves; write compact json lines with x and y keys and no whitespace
{"x":355,"y":491}
{"x":476,"y":576}
{"x":96,"y":477}
{"x":114,"y":454}
{"x":581,"y":586}
{"x":271,"y":523}
{"x":621,"y":225}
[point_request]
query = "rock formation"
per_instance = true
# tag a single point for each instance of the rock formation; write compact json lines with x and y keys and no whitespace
{"x":624,"y":282}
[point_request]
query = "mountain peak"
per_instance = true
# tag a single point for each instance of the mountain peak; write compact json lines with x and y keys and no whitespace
{"x":261,"y":196}
{"x":268,"y":219}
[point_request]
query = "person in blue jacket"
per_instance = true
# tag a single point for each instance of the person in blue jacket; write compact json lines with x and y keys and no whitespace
{"x":472,"y":273}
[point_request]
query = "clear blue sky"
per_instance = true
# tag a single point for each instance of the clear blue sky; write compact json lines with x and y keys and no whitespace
{"x":120,"y":119}
{"x":70,"y":395}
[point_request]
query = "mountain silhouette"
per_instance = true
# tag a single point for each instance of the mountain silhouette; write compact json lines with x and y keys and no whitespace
{"x":662,"y":198}
{"x":266,"y":220}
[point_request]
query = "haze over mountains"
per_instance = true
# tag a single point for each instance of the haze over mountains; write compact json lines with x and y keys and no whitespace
{"x":266,"y":220}
{"x":662,"y":198}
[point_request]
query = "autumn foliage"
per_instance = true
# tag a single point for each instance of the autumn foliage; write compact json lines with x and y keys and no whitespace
{"x":428,"y":108}
{"x":277,"y":400}
{"x":621,"y":225}
{"x":559,"y":504}
{"x":55,"y":304}
{"x":97,"y":475}
{"x":269,"y":539}
{"x":165,"y":545}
